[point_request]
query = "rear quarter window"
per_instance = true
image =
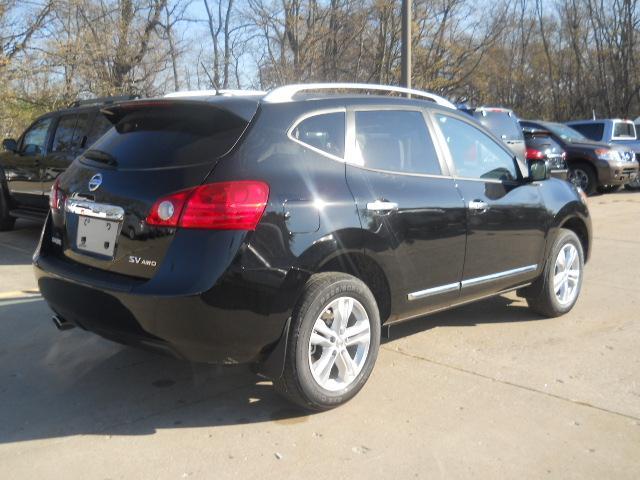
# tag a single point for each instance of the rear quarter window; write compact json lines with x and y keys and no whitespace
{"x":323,"y":131}
{"x":593,"y":131}
{"x":171,"y":136}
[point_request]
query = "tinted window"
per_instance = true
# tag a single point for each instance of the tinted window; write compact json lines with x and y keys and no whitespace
{"x":35,"y":138}
{"x":542,"y":142}
{"x":99,"y":128}
{"x":624,"y":129}
{"x":594,"y":131}
{"x":395,"y":140}
{"x":475,"y":154}
{"x":502,"y":124}
{"x":80,"y":133}
{"x":324,"y":132}
{"x":171,"y":136}
{"x":64,"y":133}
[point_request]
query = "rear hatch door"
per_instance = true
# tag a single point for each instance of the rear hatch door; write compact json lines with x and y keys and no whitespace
{"x":154,"y":149}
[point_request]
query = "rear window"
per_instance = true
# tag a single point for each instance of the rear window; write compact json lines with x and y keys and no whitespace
{"x":171,"y":136}
{"x":624,"y":130}
{"x":542,"y":141}
{"x":593,"y":131}
{"x":501,"y":124}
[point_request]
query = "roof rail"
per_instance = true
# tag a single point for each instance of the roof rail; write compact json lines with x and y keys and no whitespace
{"x":207,"y":93}
{"x":286,"y":93}
{"x":102,"y":100}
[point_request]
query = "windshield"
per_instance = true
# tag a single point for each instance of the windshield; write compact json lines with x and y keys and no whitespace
{"x":566,"y":133}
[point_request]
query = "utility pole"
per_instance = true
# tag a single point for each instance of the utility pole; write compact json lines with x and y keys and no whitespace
{"x":406,"y":43}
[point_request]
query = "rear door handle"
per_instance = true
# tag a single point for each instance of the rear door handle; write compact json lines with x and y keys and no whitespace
{"x":380,"y":206}
{"x":478,"y":205}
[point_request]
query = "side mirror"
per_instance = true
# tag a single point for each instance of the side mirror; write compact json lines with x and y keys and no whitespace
{"x":538,"y":170}
{"x":10,"y":145}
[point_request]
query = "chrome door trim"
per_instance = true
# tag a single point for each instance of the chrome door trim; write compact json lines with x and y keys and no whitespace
{"x":88,"y":208}
{"x":498,"y":276}
{"x":451,"y":287}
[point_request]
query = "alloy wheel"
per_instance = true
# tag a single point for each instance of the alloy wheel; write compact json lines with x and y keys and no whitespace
{"x":579,"y":178}
{"x":566,"y":276}
{"x":339,"y":343}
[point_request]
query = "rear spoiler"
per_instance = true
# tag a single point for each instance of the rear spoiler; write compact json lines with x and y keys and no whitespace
{"x":243,"y":108}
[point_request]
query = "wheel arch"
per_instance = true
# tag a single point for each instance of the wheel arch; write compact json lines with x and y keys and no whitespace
{"x":579,"y":227}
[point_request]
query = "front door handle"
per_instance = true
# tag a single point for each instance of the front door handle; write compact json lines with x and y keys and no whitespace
{"x":478,"y":205}
{"x":380,"y":206}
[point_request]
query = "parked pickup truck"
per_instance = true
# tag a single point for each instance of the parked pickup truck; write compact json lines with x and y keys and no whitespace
{"x":613,"y":131}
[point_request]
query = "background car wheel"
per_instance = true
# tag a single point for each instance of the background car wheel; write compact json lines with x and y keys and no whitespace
{"x":333,"y":342}
{"x":7,"y":222}
{"x":562,"y":277}
{"x":635,"y":185}
{"x":584,"y":176}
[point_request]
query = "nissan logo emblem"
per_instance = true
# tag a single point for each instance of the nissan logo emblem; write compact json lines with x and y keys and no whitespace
{"x":95,"y":182}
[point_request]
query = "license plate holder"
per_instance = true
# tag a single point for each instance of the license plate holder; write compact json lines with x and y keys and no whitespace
{"x":97,"y":236}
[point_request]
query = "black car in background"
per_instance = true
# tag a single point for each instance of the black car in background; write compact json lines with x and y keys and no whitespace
{"x":540,"y":146}
{"x":503,"y":123}
{"x":286,"y":229}
{"x":30,"y":165}
{"x":592,"y":165}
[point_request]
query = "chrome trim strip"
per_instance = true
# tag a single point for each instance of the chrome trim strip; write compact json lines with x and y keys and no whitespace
{"x":451,"y":287}
{"x":497,"y":276}
{"x":88,"y":208}
{"x":453,"y":305}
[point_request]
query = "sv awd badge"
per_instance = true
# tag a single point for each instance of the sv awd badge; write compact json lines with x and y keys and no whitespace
{"x":142,"y":261}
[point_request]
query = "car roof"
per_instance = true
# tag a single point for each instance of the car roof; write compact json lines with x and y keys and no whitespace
{"x":598,"y":120}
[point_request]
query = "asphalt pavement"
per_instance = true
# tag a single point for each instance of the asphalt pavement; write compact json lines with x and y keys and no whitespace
{"x":489,"y":390}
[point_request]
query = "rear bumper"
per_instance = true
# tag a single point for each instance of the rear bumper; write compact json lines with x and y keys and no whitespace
{"x":238,"y":319}
{"x":562,"y":174}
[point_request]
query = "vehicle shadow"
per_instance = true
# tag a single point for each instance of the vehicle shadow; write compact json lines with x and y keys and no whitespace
{"x":58,"y":384}
{"x":17,"y":245}
{"x":499,"y":309}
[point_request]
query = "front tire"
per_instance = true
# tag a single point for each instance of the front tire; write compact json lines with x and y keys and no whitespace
{"x":562,"y":277}
{"x":333,"y":342}
{"x":584,"y":176}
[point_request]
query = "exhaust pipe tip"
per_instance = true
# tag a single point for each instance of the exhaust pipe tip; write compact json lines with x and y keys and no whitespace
{"x":62,"y":324}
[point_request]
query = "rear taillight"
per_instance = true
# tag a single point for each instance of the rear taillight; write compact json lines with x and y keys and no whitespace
{"x":218,"y":206}
{"x":533,"y":154}
{"x":56,"y":196}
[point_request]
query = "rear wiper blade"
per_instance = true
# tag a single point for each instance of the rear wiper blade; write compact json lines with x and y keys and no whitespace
{"x":102,"y":157}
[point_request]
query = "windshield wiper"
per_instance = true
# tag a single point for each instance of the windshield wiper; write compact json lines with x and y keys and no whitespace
{"x":102,"y":157}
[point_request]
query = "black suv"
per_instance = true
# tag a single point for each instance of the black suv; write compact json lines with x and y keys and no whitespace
{"x":540,"y":146}
{"x":30,"y":165}
{"x":285,"y":229}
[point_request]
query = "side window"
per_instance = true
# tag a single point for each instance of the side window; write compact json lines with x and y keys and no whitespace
{"x":80,"y":131}
{"x":624,"y":129}
{"x":99,"y":128}
{"x":475,"y":154}
{"x":395,"y":140}
{"x":34,"y":139}
{"x":324,"y":132}
{"x":63,"y":138}
{"x":593,"y":131}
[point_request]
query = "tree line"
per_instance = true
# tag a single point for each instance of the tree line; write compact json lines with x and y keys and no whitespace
{"x":549,"y":59}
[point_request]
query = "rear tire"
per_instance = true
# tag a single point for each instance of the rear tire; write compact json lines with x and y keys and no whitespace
{"x":562,"y":277}
{"x":584,"y":176}
{"x":333,"y":342}
{"x":7,"y":222}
